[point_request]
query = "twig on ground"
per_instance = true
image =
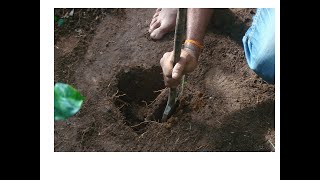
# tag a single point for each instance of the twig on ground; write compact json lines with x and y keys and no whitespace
{"x":177,"y":140}
{"x":201,"y":147}
{"x":146,"y":121}
{"x":141,"y":135}
{"x":108,"y":84}
{"x":84,"y":132}
{"x":121,"y":106}
{"x":161,"y":90}
{"x":272,"y":145}
{"x":145,"y":102}
{"x":117,"y":96}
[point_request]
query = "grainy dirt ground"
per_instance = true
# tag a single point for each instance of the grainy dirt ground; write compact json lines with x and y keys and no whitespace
{"x":108,"y":56}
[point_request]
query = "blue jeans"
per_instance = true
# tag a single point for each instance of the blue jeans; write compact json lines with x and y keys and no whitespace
{"x":259,"y":44}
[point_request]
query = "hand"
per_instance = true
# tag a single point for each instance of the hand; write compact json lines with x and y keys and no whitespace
{"x":172,"y":75}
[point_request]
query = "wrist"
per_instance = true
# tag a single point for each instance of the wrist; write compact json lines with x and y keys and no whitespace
{"x":192,"y":49}
{"x":193,"y":46}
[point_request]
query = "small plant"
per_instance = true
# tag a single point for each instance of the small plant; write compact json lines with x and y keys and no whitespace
{"x":60,"y":21}
{"x":67,"y":101}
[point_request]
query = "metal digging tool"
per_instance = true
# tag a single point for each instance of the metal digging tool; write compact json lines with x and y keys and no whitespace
{"x":178,"y":38}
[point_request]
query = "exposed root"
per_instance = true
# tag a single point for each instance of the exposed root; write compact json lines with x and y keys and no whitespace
{"x":158,"y":97}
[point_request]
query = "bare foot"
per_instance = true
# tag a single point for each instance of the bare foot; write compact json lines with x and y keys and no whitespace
{"x":163,"y":21}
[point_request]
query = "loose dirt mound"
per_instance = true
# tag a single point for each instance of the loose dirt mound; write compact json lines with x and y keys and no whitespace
{"x":107,"y":54}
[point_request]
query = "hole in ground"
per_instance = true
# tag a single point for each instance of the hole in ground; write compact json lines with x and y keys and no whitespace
{"x":143,"y":98}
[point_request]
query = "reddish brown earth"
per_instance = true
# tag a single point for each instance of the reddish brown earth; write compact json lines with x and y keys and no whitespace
{"x":108,"y":56}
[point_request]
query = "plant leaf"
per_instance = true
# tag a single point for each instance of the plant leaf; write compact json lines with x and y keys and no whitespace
{"x":67,"y":101}
{"x":60,"y":22}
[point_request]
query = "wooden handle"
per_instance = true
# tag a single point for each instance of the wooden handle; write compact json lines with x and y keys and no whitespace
{"x":179,"y":33}
{"x":178,"y":38}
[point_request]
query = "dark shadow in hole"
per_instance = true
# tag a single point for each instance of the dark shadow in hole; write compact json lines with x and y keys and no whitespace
{"x":139,"y":87}
{"x":139,"y":84}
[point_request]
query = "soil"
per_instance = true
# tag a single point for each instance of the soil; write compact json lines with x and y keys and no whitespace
{"x":108,"y":56}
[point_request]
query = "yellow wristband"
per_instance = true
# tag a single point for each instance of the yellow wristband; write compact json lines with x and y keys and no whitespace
{"x":196,"y":43}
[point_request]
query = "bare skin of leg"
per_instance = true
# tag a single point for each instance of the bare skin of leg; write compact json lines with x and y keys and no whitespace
{"x":163,"y":21}
{"x":197,"y":22}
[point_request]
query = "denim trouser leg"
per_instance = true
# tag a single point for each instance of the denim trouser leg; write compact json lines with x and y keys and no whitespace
{"x":259,"y":44}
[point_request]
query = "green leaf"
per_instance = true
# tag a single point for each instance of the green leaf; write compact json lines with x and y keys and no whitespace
{"x":56,"y":18}
{"x":67,"y":101}
{"x":60,"y":22}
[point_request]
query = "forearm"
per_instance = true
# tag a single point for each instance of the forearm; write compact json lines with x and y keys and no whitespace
{"x":197,"y":23}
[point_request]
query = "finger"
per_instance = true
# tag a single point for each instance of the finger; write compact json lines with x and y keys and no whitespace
{"x":166,"y":81}
{"x":178,"y":69}
{"x":166,"y":64}
{"x":169,"y":82}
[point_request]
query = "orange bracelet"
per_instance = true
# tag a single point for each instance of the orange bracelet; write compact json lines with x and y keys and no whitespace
{"x":196,"y":43}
